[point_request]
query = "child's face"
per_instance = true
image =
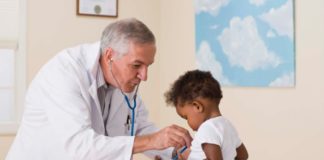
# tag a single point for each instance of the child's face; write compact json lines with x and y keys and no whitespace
{"x":194,"y":116}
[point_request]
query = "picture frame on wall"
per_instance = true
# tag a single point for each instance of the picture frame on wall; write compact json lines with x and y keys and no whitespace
{"x":101,"y":8}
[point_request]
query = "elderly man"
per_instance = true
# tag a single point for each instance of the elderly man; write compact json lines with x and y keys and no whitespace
{"x":83,"y":103}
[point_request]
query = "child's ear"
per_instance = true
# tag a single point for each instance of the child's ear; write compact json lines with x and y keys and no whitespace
{"x":199,"y":107}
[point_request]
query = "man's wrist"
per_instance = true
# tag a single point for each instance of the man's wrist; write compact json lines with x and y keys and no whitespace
{"x":142,"y":143}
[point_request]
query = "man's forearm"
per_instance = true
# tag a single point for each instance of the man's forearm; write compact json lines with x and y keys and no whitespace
{"x":142,"y":143}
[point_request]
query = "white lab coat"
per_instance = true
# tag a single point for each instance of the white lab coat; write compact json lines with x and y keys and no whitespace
{"x":62,"y":119}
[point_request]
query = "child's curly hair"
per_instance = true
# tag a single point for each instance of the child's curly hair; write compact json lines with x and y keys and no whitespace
{"x":191,"y":85}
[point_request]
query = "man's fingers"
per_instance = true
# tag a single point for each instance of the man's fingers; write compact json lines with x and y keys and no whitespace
{"x":182,"y":135}
{"x":171,"y":136}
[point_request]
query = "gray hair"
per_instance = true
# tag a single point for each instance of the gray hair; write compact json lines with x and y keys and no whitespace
{"x":119,"y":34}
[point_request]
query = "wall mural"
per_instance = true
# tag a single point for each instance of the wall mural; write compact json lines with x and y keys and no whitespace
{"x":246,"y":43}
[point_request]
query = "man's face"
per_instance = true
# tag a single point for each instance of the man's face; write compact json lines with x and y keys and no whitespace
{"x":132,"y":68}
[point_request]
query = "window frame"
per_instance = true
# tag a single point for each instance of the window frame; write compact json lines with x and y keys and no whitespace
{"x":11,"y":127}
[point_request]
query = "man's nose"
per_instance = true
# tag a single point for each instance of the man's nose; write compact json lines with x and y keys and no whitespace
{"x":142,"y":74}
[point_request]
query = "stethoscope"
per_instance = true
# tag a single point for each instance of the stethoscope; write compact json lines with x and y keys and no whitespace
{"x":132,"y":108}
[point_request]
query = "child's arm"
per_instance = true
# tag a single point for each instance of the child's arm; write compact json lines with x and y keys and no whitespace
{"x":212,"y":151}
{"x":242,"y":153}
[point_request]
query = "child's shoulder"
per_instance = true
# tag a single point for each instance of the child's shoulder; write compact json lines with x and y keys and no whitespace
{"x":210,"y":123}
{"x":216,"y":123}
{"x":216,"y":120}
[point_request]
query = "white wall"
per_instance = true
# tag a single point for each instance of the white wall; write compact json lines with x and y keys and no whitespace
{"x":274,"y":123}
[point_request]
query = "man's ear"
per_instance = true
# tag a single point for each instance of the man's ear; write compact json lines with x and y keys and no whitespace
{"x":109,"y":54}
{"x":199,"y":107}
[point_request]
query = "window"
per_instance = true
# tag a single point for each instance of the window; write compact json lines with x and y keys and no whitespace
{"x":7,"y":85}
{"x":12,"y":63}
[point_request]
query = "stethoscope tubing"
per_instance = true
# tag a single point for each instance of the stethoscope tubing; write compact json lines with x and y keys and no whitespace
{"x":133,"y":111}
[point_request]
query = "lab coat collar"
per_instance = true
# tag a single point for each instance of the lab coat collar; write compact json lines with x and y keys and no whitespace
{"x":91,"y":52}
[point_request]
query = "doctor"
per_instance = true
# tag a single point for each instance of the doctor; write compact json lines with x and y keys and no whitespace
{"x":76,"y":107}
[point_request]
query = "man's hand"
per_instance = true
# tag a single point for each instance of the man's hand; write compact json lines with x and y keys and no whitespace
{"x":171,"y":136}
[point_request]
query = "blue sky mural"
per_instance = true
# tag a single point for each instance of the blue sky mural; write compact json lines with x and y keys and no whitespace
{"x":246,"y":42}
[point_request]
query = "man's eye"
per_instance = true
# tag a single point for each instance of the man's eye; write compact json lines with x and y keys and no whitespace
{"x":136,"y":66}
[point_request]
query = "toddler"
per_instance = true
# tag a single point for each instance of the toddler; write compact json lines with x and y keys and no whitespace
{"x":196,"y":96}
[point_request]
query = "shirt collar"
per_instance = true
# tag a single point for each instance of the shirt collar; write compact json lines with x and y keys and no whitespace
{"x":100,"y":79}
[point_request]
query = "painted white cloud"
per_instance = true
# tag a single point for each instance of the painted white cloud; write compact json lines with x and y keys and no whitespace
{"x":271,"y":34}
{"x":244,"y":47}
{"x":257,"y":2}
{"x":207,"y":61}
{"x":280,"y":19}
{"x":214,"y":27}
{"x":286,"y":80}
{"x":210,"y":6}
